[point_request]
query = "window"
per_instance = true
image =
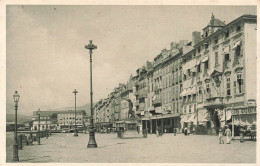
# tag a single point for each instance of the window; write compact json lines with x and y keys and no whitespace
{"x":238,"y":50}
{"x":240,"y":82}
{"x":216,"y":58}
{"x":173,"y":107}
{"x":238,"y":28}
{"x":198,"y":68}
{"x":227,"y":57}
{"x":185,"y":109}
{"x":189,"y":72}
{"x":200,"y":94}
{"x":226,"y":34}
{"x":228,"y":87}
{"x":208,"y":89}
{"x":206,"y":65}
{"x":195,"y":108}
{"x":199,"y":50}
{"x":235,"y":87}
{"x":216,"y":40}
{"x":189,"y":108}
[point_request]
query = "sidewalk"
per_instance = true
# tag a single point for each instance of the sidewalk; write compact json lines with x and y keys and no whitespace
{"x":166,"y":149}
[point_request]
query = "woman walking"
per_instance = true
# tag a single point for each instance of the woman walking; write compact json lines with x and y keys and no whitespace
{"x":228,"y":134}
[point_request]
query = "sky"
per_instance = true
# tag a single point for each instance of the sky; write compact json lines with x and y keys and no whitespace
{"x":46,"y":57}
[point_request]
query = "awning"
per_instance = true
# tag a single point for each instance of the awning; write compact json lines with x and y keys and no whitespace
{"x":194,"y":70}
{"x":228,"y":115}
{"x":193,"y":90}
{"x":158,"y":110}
{"x":192,"y":118}
{"x":226,"y":50}
{"x":206,"y":58}
{"x":188,"y":92}
{"x":236,"y":44}
{"x":183,"y":93}
{"x":244,"y":119}
{"x":189,"y":65}
{"x":203,"y":116}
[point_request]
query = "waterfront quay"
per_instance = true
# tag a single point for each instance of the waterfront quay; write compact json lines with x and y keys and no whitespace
{"x":65,"y":148}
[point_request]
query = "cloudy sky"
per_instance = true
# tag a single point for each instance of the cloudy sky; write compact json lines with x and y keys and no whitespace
{"x":46,"y":59}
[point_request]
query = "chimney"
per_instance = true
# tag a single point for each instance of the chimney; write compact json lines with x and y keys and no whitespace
{"x":195,"y":37}
{"x":173,"y":45}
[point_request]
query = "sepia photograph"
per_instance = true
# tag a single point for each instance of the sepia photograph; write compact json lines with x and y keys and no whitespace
{"x":130,"y":84}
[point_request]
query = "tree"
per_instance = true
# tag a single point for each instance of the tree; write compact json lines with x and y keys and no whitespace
{"x":54,"y":116}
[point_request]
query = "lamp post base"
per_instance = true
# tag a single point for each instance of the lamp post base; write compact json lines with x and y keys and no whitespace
{"x":15,"y":153}
{"x":92,"y":142}
{"x":75,"y":133}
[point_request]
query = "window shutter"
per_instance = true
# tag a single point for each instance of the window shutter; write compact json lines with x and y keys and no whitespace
{"x":235,"y":86}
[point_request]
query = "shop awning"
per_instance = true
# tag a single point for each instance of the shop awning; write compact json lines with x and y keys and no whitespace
{"x":226,"y":50}
{"x":192,"y":118}
{"x":244,"y":119}
{"x":206,"y":58}
{"x":183,"y":93}
{"x":237,"y":44}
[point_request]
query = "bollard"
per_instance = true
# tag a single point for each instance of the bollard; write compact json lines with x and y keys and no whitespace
{"x":30,"y":140}
{"x":20,"y":142}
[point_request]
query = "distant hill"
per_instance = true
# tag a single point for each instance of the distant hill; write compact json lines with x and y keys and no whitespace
{"x":20,"y":118}
{"x":85,"y":107}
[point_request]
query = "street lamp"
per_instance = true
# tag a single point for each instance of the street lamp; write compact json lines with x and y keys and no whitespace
{"x":75,"y":128}
{"x":16,"y":97}
{"x":91,"y":142}
{"x":46,"y":128}
{"x":39,"y":132}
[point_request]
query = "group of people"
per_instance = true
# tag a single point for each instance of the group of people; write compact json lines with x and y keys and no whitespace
{"x":224,"y":132}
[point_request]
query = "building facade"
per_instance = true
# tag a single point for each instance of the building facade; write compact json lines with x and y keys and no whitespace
{"x":202,"y":85}
{"x":219,"y":88}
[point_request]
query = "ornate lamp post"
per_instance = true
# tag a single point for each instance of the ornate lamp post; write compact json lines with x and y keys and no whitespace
{"x":75,"y":128}
{"x":92,"y":142}
{"x":16,"y":97}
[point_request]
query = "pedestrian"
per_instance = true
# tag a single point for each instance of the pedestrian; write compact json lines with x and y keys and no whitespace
{"x":157,"y":131}
{"x":220,"y":136}
{"x":185,"y":131}
{"x":228,"y":134}
{"x":241,"y":133}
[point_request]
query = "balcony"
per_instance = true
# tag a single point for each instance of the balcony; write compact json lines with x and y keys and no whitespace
{"x":157,"y":101}
{"x":136,"y":103}
{"x":213,"y":102}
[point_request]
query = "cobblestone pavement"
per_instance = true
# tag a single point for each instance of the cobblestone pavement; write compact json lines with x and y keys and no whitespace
{"x":166,"y":149}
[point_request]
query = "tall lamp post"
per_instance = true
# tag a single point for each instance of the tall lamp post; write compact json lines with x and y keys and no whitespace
{"x":75,"y":127}
{"x":39,"y":132}
{"x":16,"y":97}
{"x":46,"y":128}
{"x":91,"y":142}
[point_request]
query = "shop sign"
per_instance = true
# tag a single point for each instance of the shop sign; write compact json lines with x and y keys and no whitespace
{"x":244,"y":111}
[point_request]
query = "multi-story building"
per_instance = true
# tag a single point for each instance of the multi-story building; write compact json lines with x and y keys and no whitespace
{"x":203,"y":84}
{"x":220,"y":76}
{"x":48,"y":120}
{"x":66,"y":118}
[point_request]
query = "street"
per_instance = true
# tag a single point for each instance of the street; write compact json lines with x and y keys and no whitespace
{"x":64,"y":147}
